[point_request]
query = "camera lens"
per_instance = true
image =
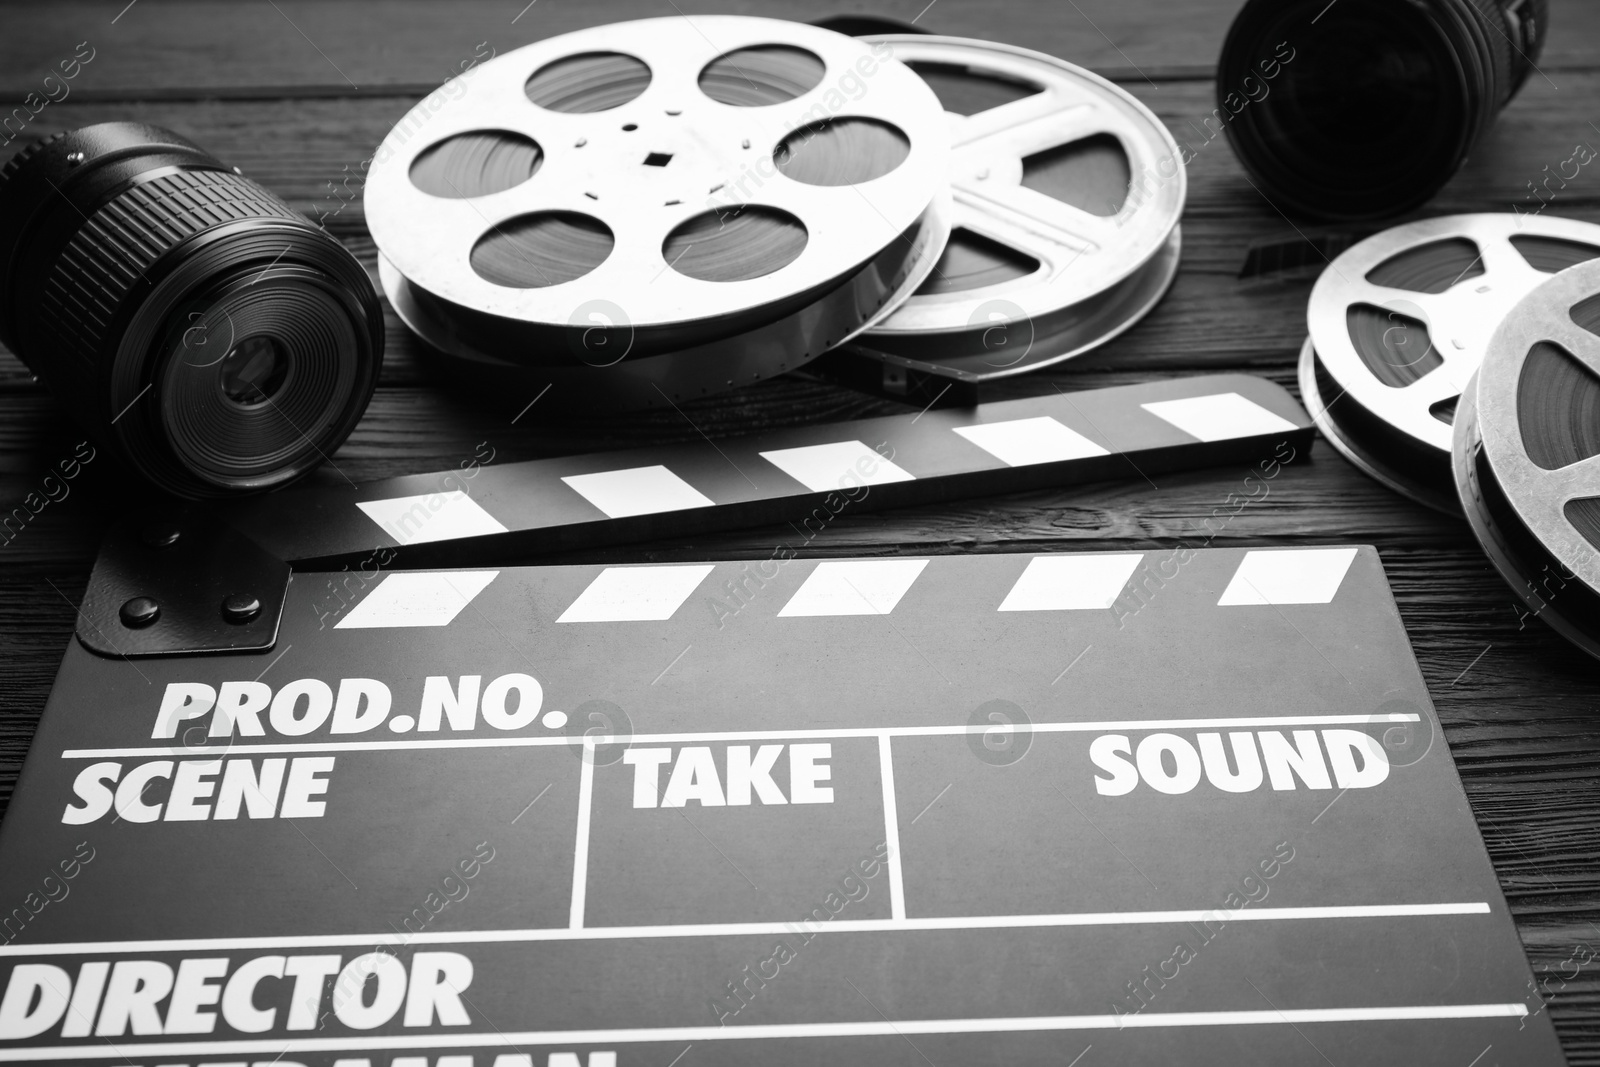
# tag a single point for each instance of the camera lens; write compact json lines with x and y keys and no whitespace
{"x":190,"y":320}
{"x":1365,"y":108}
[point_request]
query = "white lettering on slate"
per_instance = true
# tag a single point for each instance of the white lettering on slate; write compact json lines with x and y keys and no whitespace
{"x":1172,"y":764}
{"x":694,"y":776}
{"x":202,"y":789}
{"x":368,"y":992}
{"x":356,"y":706}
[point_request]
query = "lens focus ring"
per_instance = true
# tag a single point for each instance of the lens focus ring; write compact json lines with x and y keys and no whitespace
{"x":117,"y":247}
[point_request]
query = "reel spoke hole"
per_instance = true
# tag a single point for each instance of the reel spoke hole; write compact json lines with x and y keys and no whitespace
{"x":763,"y":75}
{"x":1091,"y":174}
{"x":735,"y":244}
{"x":588,"y":82}
{"x":966,"y":91}
{"x":1584,"y":514}
{"x":1396,"y":348}
{"x":1558,"y":408}
{"x":542,"y":249}
{"x":1552,"y":254}
{"x":1430,"y":268}
{"x":847,"y":151}
{"x":476,"y":164}
{"x":1585,"y":315}
{"x":972,"y":261}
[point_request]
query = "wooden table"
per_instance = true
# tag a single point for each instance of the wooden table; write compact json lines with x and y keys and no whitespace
{"x":297,"y":95}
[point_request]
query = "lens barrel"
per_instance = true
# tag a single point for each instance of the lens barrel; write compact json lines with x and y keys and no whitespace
{"x":1363,"y":109}
{"x":189,"y":319}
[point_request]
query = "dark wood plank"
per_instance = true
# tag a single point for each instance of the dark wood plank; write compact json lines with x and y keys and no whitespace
{"x":217,"y":46}
{"x":220,"y":48}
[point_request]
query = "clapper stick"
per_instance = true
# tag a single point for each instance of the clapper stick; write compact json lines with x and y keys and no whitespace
{"x":806,"y":476}
{"x":783,"y":475}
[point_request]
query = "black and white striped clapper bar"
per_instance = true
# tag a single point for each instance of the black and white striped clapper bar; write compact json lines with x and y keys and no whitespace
{"x":786,"y":475}
{"x":1188,"y":806}
{"x":805,"y":477}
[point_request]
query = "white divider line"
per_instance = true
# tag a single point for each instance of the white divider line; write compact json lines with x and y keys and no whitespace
{"x":835,"y":926}
{"x":772,"y":1031}
{"x":580,"y":853}
{"x":1104,"y":726}
{"x":891,"y":828}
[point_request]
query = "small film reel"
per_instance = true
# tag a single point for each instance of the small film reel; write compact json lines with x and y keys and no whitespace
{"x":1398,"y":325}
{"x":1067,"y":192}
{"x":1527,"y":453}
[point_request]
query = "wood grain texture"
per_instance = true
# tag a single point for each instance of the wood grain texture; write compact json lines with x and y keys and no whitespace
{"x":219,"y":47}
{"x":191,"y":48}
{"x":298,"y":97}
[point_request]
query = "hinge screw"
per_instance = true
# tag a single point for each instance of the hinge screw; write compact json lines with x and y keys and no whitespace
{"x":140,"y":612}
{"x":240,"y":607}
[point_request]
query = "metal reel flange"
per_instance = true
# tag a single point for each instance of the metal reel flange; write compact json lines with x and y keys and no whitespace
{"x":1425,"y":479}
{"x":650,"y":165}
{"x":597,"y":374}
{"x":1526,"y":452}
{"x":1128,"y":258}
{"x":1409,"y":382}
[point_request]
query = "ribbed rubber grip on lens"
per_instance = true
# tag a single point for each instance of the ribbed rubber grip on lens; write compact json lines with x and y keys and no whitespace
{"x":1492,"y":22}
{"x":15,"y":163}
{"x":117,"y":246}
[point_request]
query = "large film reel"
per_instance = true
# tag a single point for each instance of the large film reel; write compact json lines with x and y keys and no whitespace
{"x":1032,"y":277}
{"x":1399,"y":323}
{"x":1527,"y":453}
{"x":650,"y":211}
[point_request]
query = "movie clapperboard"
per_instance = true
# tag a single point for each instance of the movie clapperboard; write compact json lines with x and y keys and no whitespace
{"x":1187,"y":805}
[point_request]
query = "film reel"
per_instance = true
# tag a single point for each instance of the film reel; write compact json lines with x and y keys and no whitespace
{"x":1527,"y":453}
{"x":638,"y":215}
{"x":1398,"y":325}
{"x":1067,"y":192}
